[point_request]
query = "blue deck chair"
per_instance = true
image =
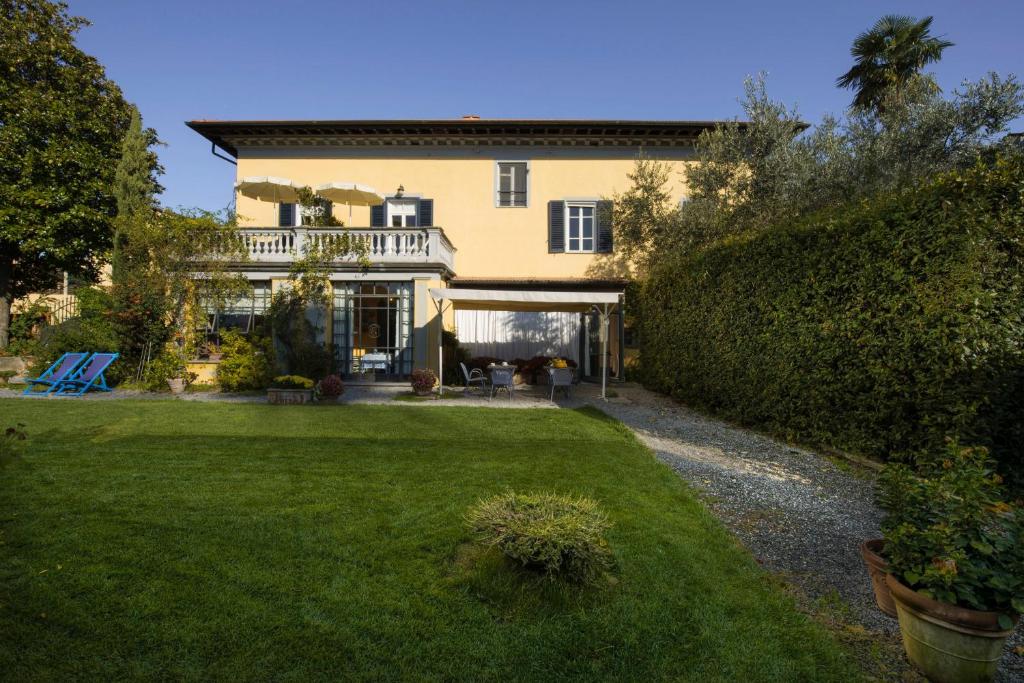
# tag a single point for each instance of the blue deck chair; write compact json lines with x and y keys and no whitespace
{"x":89,"y":375}
{"x":62,"y":369}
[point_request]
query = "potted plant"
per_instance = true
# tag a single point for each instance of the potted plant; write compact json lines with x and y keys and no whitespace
{"x":955,"y":549}
{"x":290,"y":389}
{"x":423,"y":381}
{"x":878,"y":568}
{"x":330,"y":388}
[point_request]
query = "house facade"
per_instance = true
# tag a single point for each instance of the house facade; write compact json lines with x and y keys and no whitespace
{"x":469,"y":203}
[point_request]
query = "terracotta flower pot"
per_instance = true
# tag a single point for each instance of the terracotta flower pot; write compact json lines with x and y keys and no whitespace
{"x":949,"y":644}
{"x":177,"y":385}
{"x":878,"y":569}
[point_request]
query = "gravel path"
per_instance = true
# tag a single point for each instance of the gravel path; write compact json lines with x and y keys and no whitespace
{"x":801,"y":514}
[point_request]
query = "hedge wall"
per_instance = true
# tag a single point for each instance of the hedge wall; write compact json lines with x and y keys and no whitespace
{"x":879,"y":329}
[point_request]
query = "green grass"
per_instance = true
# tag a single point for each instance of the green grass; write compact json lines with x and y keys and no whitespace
{"x":169,"y":539}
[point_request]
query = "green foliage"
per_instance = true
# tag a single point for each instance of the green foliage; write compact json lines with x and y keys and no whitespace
{"x":246,"y":364}
{"x":453,"y":355}
{"x":169,"y":364}
{"x":755,"y":175}
{"x":292,"y":382}
{"x":63,"y":121}
{"x":880,"y":329}
{"x":423,"y":379}
{"x":135,"y":180}
{"x":294,"y":320}
{"x":558,"y":535}
{"x":949,"y":532}
{"x":317,"y":213}
{"x":91,"y":331}
{"x":25,"y":327}
{"x":889,"y":58}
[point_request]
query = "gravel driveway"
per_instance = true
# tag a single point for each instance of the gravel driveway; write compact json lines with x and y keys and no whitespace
{"x":801,"y":514}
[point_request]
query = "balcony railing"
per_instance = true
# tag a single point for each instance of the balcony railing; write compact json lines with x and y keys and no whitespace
{"x":383,"y":246}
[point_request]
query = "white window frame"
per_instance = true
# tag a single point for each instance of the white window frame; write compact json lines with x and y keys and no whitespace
{"x":497,"y":183}
{"x":405,"y":200}
{"x":569,"y":204}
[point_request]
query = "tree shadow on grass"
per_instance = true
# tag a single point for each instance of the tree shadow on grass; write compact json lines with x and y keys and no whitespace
{"x":513,"y":592}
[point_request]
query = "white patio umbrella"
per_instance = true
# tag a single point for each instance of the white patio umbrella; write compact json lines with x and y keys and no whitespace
{"x":353,"y":194}
{"x":268,"y":189}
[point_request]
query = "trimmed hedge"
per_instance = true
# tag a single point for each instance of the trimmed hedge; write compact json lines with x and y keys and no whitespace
{"x":879,"y":329}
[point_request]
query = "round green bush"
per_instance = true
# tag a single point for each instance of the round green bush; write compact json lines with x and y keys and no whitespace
{"x":557,"y":535}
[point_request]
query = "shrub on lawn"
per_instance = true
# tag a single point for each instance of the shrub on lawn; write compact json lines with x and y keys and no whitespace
{"x":331,"y":387}
{"x":423,"y":380}
{"x":247,"y":364}
{"x":558,"y":535}
{"x":880,"y":328}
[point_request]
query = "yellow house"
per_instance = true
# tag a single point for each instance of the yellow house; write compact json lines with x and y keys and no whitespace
{"x":472,"y":204}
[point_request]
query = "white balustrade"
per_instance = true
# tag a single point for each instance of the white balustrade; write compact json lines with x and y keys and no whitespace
{"x":383,"y":246}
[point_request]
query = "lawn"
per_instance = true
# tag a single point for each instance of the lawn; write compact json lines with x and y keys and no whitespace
{"x":170,"y":539}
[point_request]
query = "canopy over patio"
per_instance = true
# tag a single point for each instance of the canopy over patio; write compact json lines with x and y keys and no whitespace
{"x":528,"y":300}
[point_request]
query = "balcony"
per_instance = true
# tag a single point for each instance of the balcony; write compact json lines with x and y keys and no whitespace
{"x":427,"y":247}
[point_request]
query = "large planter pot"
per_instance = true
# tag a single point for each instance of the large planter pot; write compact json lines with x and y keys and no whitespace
{"x":177,"y":385}
{"x":949,"y":644}
{"x":878,"y":569}
{"x":289,"y":396}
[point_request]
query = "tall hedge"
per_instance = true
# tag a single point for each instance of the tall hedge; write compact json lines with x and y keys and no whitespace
{"x":878,"y":329}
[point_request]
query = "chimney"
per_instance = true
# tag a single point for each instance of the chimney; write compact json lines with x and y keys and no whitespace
{"x":470,"y":117}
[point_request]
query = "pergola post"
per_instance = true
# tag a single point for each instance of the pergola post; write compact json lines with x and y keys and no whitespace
{"x":604,"y":354}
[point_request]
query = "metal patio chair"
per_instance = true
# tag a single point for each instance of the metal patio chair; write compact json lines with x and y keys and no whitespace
{"x":474,"y":378}
{"x":561,"y":378}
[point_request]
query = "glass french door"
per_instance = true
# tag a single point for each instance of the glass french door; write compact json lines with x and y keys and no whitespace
{"x":373,"y":327}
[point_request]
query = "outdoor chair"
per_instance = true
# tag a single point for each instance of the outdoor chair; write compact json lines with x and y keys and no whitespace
{"x":474,"y":378}
{"x":561,"y":378}
{"x":62,"y":369}
{"x":89,"y":375}
{"x":503,"y":378}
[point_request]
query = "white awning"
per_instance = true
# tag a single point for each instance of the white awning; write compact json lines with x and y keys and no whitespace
{"x":523,"y":300}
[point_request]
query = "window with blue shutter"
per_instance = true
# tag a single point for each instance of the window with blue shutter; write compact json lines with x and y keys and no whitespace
{"x":285,"y":215}
{"x":425,"y":212}
{"x":556,"y":227}
{"x":377,"y":216}
{"x":604,"y":227}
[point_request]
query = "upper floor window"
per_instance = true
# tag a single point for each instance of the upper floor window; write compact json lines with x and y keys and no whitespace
{"x":579,"y":227}
{"x":511,"y":185}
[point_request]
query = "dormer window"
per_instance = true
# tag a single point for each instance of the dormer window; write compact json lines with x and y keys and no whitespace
{"x":511,"y":184}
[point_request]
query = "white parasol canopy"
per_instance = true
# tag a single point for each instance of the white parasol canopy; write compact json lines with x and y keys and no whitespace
{"x":353,"y":194}
{"x":268,"y":189}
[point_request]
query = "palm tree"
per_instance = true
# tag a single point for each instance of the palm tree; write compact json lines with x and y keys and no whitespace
{"x":889,"y":57}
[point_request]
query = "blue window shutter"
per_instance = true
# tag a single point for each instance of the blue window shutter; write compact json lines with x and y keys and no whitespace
{"x":604,"y":227}
{"x":377,"y":216}
{"x":556,"y":227}
{"x":425,"y":213}
{"x":285,"y":215}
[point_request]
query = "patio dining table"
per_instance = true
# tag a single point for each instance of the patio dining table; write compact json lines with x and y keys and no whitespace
{"x":502,"y":377}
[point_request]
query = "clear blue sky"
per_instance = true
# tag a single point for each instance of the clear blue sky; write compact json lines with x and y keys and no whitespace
{"x":263,"y":59}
